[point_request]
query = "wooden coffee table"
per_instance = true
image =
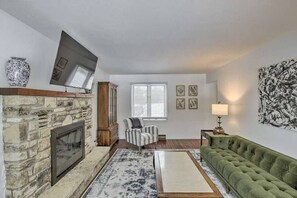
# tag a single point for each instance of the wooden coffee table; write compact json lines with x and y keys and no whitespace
{"x":178,"y":174}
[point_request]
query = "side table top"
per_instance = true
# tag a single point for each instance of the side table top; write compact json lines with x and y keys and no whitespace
{"x":204,"y":132}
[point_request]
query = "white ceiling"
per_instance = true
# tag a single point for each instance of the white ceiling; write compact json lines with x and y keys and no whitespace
{"x":160,"y":36}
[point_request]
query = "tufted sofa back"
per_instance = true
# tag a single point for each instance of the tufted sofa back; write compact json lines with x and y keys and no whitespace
{"x":277,"y":164}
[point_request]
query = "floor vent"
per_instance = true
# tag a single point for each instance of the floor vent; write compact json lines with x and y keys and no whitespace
{"x":162,"y":137}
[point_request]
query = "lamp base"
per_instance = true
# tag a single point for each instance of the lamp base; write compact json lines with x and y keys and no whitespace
{"x":218,"y":130}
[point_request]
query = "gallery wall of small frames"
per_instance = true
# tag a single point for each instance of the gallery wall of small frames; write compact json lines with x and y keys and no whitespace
{"x":192,"y":93}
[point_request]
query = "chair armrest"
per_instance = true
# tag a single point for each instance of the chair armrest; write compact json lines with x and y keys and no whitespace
{"x":219,"y":141}
{"x":133,"y":136}
{"x":152,"y":129}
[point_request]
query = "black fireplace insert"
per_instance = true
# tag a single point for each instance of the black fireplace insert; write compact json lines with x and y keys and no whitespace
{"x":67,"y":149}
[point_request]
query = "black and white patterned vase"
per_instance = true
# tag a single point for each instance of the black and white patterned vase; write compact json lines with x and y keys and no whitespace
{"x":17,"y":72}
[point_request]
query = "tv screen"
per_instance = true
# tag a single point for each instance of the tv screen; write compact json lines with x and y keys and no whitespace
{"x":74,"y":66}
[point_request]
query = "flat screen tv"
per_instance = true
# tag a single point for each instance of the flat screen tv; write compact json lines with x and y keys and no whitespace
{"x":74,"y":66}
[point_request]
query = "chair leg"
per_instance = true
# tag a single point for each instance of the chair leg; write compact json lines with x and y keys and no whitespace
{"x":139,"y":148}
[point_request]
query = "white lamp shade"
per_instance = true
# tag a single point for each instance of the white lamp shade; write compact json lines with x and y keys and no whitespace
{"x":219,"y":109}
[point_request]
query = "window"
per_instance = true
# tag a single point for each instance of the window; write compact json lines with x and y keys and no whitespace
{"x":149,"y":100}
{"x":81,"y":77}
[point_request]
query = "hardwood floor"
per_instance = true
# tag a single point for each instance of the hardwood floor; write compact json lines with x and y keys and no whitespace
{"x":163,"y":144}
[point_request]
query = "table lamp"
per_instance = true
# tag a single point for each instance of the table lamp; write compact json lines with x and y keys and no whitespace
{"x":219,"y":110}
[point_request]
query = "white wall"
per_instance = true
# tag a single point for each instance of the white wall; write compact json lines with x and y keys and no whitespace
{"x":20,"y":40}
{"x":238,"y":86}
{"x":181,"y":124}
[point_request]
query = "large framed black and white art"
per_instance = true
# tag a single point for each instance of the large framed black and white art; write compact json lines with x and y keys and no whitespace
{"x":278,"y":95}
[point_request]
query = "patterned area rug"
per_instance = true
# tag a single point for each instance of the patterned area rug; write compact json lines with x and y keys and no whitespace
{"x":130,"y":173}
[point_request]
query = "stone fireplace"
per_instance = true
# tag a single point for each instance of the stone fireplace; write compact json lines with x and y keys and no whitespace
{"x":29,"y":120}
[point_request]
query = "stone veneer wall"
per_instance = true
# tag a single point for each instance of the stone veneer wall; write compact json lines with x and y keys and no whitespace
{"x":2,"y":172}
{"x":27,"y":124}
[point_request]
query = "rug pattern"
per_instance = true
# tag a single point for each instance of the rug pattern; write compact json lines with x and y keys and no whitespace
{"x":130,"y":173}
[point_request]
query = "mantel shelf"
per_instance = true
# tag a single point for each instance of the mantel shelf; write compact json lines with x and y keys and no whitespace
{"x":39,"y":92}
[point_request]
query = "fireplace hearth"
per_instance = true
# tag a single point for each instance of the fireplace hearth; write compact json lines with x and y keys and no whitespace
{"x":67,"y":149}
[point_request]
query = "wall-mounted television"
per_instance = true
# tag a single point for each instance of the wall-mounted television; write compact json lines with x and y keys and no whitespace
{"x":74,"y":66}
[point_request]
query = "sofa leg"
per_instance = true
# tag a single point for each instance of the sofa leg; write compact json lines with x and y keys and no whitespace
{"x":228,"y":189}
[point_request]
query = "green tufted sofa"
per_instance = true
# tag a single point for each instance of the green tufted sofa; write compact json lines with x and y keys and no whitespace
{"x":249,"y":169}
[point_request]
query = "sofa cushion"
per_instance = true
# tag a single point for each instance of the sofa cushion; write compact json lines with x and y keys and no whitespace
{"x":221,"y":142}
{"x":285,"y":170}
{"x":247,"y":178}
{"x":277,"y":164}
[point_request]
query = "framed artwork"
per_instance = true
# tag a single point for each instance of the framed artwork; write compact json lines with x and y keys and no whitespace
{"x":62,"y":63}
{"x":277,"y":95}
{"x":180,"y":103}
{"x":180,"y":90}
{"x":193,"y":103}
{"x":56,"y":74}
{"x":193,"y":90}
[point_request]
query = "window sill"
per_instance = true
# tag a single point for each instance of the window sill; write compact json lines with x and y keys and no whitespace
{"x":155,"y":119}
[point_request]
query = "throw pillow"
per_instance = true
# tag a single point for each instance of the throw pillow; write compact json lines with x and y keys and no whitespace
{"x":136,"y":124}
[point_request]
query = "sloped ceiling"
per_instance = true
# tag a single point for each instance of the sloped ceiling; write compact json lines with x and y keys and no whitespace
{"x":160,"y":36}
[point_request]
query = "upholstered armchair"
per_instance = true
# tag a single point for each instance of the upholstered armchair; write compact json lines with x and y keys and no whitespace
{"x":138,"y":134}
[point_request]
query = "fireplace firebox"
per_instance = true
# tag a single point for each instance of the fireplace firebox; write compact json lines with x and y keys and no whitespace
{"x":67,"y":149}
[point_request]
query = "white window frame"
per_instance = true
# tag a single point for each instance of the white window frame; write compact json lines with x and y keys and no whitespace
{"x":87,"y":79}
{"x":149,"y":84}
